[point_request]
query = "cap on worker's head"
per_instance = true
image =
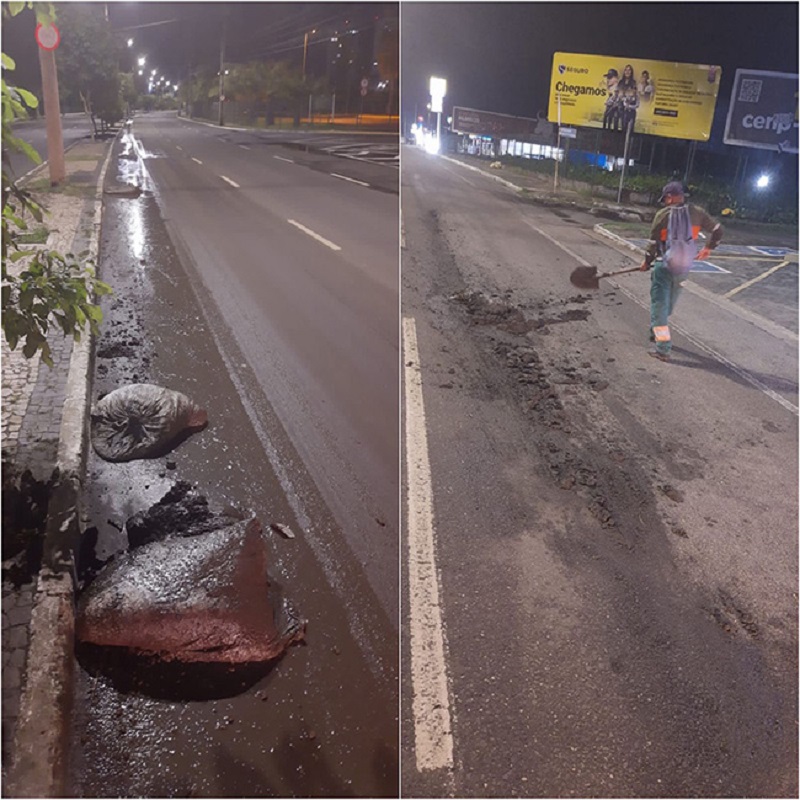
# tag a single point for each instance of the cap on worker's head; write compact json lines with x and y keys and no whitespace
{"x":672,"y":188}
{"x":612,"y":73}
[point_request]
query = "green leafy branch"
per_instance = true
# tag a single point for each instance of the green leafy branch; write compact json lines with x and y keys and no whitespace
{"x":40,"y":288}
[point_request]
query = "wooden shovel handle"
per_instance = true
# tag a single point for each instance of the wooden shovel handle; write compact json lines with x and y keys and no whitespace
{"x":618,"y":272}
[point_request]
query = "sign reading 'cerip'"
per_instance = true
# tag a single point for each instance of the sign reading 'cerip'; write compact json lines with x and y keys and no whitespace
{"x":763,"y":111}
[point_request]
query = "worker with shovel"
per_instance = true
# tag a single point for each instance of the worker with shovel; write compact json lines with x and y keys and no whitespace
{"x":670,"y":252}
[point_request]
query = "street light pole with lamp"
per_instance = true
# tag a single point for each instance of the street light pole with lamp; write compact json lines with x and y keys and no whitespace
{"x":305,"y":50}
{"x":438,"y":88}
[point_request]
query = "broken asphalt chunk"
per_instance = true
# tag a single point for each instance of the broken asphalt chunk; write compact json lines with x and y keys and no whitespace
{"x":198,"y":599}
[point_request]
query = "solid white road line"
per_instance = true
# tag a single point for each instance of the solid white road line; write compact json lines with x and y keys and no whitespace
{"x":196,"y":160}
{"x":351,"y":180}
{"x":314,"y":235}
{"x":281,"y":158}
{"x":228,"y":180}
{"x":558,"y":244}
{"x":433,"y":736}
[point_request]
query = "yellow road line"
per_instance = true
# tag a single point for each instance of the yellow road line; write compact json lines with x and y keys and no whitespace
{"x":758,"y":278}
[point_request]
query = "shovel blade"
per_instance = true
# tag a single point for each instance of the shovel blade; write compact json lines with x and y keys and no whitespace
{"x":585,"y":278}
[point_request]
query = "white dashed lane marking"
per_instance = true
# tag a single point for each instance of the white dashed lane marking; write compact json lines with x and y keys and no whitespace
{"x":314,"y":235}
{"x":351,"y":180}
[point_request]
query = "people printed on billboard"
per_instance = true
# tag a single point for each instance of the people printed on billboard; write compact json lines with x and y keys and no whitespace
{"x":625,"y":95}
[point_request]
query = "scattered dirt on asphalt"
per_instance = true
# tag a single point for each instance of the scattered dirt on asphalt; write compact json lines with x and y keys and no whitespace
{"x":543,"y":388}
{"x":493,"y":310}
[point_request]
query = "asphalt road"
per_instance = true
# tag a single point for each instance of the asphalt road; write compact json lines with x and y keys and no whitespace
{"x":73,"y":128}
{"x":600,"y":549}
{"x":302,"y":267}
{"x":291,"y":346}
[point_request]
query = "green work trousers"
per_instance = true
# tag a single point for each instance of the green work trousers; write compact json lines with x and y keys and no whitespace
{"x":665,"y":288}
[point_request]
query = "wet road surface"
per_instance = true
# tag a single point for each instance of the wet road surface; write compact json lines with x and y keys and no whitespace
{"x":613,"y":539}
{"x":323,"y":720}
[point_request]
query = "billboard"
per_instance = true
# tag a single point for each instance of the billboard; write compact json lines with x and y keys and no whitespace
{"x":763,"y":111}
{"x":501,"y":126}
{"x":660,"y":98}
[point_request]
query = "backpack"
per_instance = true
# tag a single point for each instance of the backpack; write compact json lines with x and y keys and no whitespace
{"x":681,"y":248}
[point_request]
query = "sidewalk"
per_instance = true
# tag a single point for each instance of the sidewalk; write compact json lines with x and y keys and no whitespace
{"x":43,"y":418}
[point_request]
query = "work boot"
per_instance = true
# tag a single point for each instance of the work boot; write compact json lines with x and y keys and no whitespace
{"x":660,"y":356}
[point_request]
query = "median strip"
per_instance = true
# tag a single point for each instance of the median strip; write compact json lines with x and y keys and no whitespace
{"x":351,"y":180}
{"x":314,"y":235}
{"x":228,"y":180}
{"x":430,"y":696}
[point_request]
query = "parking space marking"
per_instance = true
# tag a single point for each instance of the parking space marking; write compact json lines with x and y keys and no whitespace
{"x":758,"y":278}
{"x":433,"y":735}
{"x":196,"y":160}
{"x":313,"y":235}
{"x":287,"y":160}
{"x":232,"y":183}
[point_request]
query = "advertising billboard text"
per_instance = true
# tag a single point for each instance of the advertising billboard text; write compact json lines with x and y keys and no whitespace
{"x":763,"y":111}
{"x":660,"y":98}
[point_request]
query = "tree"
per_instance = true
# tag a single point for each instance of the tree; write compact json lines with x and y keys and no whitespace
{"x":389,"y":62}
{"x":88,"y":62}
{"x":39,"y":287}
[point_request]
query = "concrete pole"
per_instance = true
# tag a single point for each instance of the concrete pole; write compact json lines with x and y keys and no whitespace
{"x":624,"y":162}
{"x":52,"y":111}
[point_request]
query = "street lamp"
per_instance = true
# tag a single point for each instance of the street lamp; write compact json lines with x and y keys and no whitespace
{"x":142,"y":60}
{"x":130,"y":42}
{"x":305,"y":50}
{"x":762,"y":182}
{"x":438,"y":87}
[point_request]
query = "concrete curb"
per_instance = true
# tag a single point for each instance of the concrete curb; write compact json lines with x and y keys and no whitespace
{"x":40,"y":762}
{"x":598,"y":209}
{"x":603,"y":231}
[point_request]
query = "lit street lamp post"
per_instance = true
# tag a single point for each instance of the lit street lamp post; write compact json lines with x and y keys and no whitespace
{"x":438,"y":87}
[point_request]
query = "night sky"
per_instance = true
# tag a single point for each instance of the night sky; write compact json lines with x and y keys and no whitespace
{"x":498,"y":56}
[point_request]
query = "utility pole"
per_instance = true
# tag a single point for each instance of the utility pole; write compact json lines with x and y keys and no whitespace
{"x":222,"y":70}
{"x":305,"y":51}
{"x":52,"y":112}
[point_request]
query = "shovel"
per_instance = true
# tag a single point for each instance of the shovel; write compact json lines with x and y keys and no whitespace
{"x":588,"y":277}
